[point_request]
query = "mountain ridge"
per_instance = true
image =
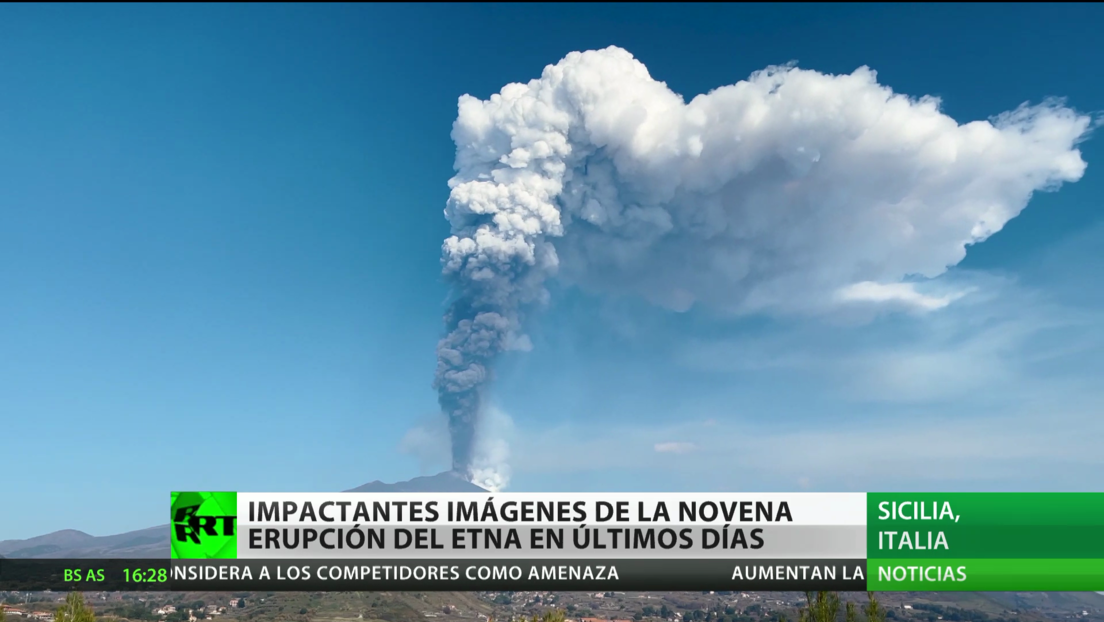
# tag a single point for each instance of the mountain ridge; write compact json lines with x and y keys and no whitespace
{"x":153,"y":542}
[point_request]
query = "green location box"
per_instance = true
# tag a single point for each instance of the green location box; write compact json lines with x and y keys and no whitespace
{"x":204,"y":525}
{"x":985,"y":525}
{"x":985,"y":508}
{"x":979,"y":541}
{"x":985,"y":575}
{"x":985,"y":541}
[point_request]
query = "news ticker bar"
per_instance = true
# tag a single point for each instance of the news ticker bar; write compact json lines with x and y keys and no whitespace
{"x":29,"y":575}
{"x":429,"y":575}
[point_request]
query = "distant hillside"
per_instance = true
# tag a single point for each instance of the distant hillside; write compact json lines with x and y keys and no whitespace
{"x":72,"y":544}
{"x":449,"y":481}
{"x":153,"y":543}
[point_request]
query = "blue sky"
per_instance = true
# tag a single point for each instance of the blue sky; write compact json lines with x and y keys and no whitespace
{"x":220,"y":240}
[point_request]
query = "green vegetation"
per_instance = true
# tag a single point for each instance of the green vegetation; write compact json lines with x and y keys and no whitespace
{"x":820,"y":607}
{"x":874,"y":611}
{"x":552,"y":615}
{"x":74,"y":610}
{"x":825,"y":607}
{"x":676,"y":607}
{"x":133,"y":610}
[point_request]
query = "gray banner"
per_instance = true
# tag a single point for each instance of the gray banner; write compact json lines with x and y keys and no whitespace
{"x":594,"y":543}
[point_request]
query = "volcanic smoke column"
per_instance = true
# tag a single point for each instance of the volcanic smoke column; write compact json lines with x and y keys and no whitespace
{"x":791,"y":192}
{"x":497,"y":260}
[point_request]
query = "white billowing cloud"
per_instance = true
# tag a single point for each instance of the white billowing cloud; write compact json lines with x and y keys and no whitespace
{"x":674,"y":447}
{"x":902,"y":293}
{"x":428,"y":442}
{"x":491,"y":462}
{"x":791,"y":191}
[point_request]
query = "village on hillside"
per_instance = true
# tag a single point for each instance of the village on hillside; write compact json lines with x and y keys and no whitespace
{"x":523,"y":606}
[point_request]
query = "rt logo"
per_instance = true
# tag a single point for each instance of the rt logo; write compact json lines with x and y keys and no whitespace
{"x":188,"y":524}
{"x":203,"y":525}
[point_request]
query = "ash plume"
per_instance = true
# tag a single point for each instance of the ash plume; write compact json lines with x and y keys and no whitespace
{"x":789,"y":192}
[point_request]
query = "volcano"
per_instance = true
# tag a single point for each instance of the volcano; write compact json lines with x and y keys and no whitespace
{"x":448,"y":481}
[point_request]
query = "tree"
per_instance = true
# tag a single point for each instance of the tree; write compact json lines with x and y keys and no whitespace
{"x":873,"y":610}
{"x":74,"y":610}
{"x":552,"y":615}
{"x":825,"y":607}
{"x":820,"y":607}
{"x":3,"y":615}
